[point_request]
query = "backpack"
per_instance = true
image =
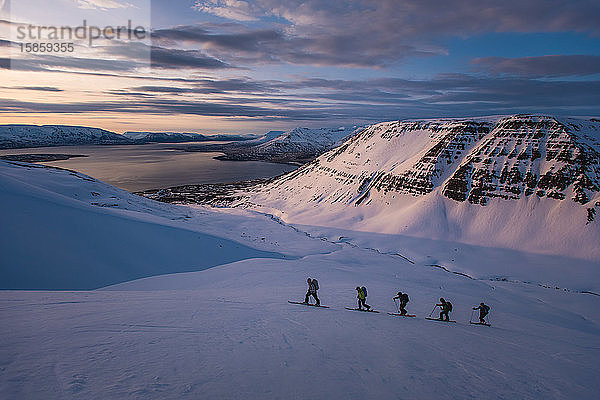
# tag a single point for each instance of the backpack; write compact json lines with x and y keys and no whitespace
{"x":486,"y":309}
{"x":315,"y":283}
{"x":449,"y":305}
{"x":404,"y":298}
{"x":364,"y":290}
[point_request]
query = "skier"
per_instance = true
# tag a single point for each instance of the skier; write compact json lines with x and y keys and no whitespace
{"x":446,"y":307}
{"x":313,"y":286}
{"x":403,"y":298}
{"x":362,"y":298}
{"x":483,"y":311}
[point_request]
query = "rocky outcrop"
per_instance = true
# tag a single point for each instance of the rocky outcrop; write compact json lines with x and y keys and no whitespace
{"x":529,"y":155}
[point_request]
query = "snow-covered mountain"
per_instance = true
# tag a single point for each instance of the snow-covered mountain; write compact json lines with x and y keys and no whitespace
{"x":180,"y":137}
{"x":528,"y":182}
{"x":305,"y":140}
{"x":296,"y":145}
{"x":266,"y":137}
{"x":19,"y":136}
{"x":22,"y":136}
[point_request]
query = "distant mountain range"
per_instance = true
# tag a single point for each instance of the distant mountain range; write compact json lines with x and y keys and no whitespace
{"x":523,"y":181}
{"x":23,"y":136}
{"x":298,"y":145}
{"x":20,"y":136}
{"x":176,"y":137}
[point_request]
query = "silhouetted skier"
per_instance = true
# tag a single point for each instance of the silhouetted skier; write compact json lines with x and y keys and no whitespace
{"x":446,"y":307}
{"x":362,"y":298}
{"x":313,"y":286}
{"x":403,"y":300}
{"x":483,"y":311}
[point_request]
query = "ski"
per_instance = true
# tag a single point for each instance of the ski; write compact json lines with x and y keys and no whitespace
{"x":437,"y":319}
{"x":400,"y":315}
{"x":306,"y":304}
{"x":479,"y":323}
{"x":358,"y":309}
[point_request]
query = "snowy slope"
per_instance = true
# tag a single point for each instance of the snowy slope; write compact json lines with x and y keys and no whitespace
{"x":524,"y":182}
{"x":18,"y":136}
{"x":68,"y":231}
{"x":228,"y":331}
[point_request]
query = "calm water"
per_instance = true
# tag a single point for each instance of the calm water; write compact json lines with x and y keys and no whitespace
{"x":154,"y":166}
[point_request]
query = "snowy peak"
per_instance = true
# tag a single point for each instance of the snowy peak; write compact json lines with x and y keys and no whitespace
{"x":305,"y":140}
{"x":298,"y":145}
{"x":19,"y":136}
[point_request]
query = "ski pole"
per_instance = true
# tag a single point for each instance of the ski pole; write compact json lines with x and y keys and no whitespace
{"x":397,"y":306}
{"x":431,"y":313}
{"x":471,"y":319}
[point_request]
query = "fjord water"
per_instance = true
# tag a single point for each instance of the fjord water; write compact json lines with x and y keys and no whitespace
{"x":156,"y":165}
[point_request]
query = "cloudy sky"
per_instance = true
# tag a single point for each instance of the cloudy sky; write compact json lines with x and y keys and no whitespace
{"x":251,"y":66}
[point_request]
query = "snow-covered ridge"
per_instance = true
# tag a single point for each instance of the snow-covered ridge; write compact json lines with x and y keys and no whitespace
{"x":180,"y":137}
{"x":529,"y":182}
{"x":297,"y":145}
{"x":22,"y":136}
{"x":19,"y":136}
{"x":306,"y":139}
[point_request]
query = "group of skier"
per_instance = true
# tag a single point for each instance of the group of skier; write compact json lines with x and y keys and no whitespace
{"x":402,"y":300}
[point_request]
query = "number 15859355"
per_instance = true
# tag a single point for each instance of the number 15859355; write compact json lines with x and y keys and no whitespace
{"x":37,"y":47}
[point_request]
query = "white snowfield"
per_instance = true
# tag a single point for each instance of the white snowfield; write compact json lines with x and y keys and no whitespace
{"x":228,"y":332}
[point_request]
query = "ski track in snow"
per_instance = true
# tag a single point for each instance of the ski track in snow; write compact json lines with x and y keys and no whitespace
{"x":228,"y":331}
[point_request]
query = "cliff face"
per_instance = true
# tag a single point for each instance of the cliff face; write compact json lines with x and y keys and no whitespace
{"x":456,"y":179}
{"x":530,"y":155}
